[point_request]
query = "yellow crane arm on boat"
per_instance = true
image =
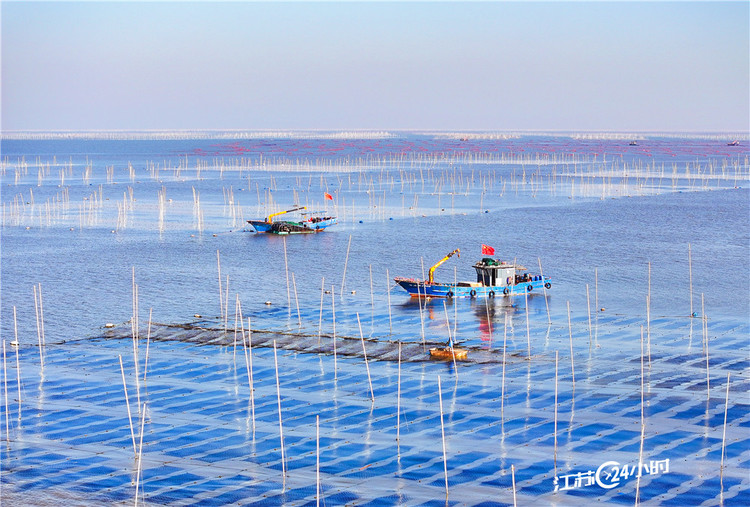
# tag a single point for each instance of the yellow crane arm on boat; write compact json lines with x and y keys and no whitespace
{"x":433,"y":268}
{"x":269,"y":217}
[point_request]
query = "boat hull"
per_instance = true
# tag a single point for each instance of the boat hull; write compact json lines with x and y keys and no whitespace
{"x":288,"y":227}
{"x":420,"y":288}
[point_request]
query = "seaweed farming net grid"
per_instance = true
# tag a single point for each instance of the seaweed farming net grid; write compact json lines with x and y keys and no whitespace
{"x":206,"y":441}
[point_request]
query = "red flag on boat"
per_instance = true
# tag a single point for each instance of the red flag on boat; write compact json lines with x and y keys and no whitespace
{"x":328,"y":196}
{"x":487,"y":250}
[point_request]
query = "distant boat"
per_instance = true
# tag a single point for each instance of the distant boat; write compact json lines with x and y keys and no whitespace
{"x":734,"y":143}
{"x":311,"y":223}
{"x":494,"y":278}
{"x":633,"y":143}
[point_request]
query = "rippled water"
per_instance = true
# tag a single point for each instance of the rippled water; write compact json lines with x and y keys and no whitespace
{"x":598,"y":214}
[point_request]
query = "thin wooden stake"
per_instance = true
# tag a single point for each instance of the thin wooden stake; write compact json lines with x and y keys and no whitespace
{"x":450,"y":340}
{"x":367,"y":365}
{"x":588,"y":306}
{"x":388,"y":291}
{"x":278,"y":399}
{"x":555,"y":431}
{"x":690,"y":274}
{"x":724,"y":439}
{"x":7,"y":408}
{"x":513,"y":482}
{"x":18,"y":375}
{"x":544,"y":286}
{"x":221,"y":292}
{"x":570,"y":334}
{"x":398,"y":397}
{"x":296,"y":301}
{"x":705,"y":344}
{"x":643,"y":430}
{"x":41,"y":315}
{"x":333,"y":311}
{"x":320,"y":320}
{"x":502,"y":389}
{"x":140,"y":455}
{"x":127,"y":403}
{"x":346,"y":262}
{"x":249,"y":362}
{"x":442,"y":431}
{"x":528,"y":332}
{"x":648,"y":316}
{"x":286,"y":271}
{"x":148,"y":343}
{"x":38,"y":329}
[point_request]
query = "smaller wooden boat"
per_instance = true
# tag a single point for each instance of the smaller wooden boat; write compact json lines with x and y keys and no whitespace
{"x":312,"y":223}
{"x":449,"y":353}
{"x":734,"y":143}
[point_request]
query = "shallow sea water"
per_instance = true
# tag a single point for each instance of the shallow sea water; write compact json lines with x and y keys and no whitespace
{"x":596,"y":213}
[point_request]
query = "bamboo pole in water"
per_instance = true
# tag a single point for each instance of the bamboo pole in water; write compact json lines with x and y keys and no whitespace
{"x":570,"y":334}
{"x":41,"y":315}
{"x":221,"y":292}
{"x":38,"y":328}
{"x":296,"y":301}
{"x":398,"y":397}
{"x":643,"y":429}
{"x":367,"y":365}
{"x":127,"y":403}
{"x":388,"y":291}
{"x":320,"y":319}
{"x":442,"y":432}
{"x":544,"y":286}
{"x":690,"y":274}
{"x":249,"y":364}
{"x":513,"y":482}
{"x":450,"y":339}
{"x":346,"y":262}
{"x":286,"y":271}
{"x":278,"y":399}
{"x":724,"y":439}
{"x":588,"y":306}
{"x":555,"y":430}
{"x":333,"y":311}
{"x":421,"y":318}
{"x":502,"y":389}
{"x":148,"y":344}
{"x":18,"y":378}
{"x":705,"y":344}
{"x":648,"y":316}
{"x":140,"y":455}
{"x":528,"y":331}
{"x":5,"y":384}
{"x":226,"y":304}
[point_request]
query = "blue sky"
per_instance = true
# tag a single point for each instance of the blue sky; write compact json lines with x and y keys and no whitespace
{"x":602,"y":66}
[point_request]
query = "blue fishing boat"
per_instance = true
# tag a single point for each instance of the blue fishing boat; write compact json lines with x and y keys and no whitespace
{"x":309,"y":223}
{"x":495,"y":278}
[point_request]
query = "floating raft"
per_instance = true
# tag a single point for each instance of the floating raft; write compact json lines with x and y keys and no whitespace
{"x":211,"y":333}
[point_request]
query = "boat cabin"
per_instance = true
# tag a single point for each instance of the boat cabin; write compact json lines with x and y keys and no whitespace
{"x":494,"y":273}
